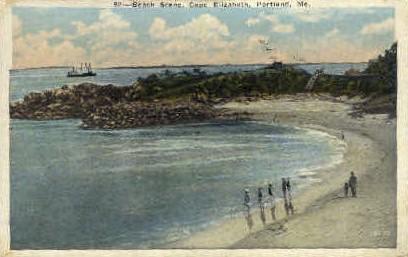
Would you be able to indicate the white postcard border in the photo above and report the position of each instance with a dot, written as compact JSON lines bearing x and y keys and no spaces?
{"x":401,"y":18}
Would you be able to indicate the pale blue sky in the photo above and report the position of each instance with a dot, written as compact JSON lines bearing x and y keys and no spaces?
{"x":111,"y":37}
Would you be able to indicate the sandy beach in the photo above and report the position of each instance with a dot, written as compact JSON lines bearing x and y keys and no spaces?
{"x":323,"y":217}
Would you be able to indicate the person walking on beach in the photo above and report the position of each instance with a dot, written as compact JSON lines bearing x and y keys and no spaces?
{"x":247,"y":200}
{"x":288,"y":187}
{"x":273,"y":207}
{"x":260,"y":200}
{"x":270,"y":189}
{"x":353,"y":184}
{"x":342,"y":135}
{"x":272,"y":201}
{"x":346,"y":189}
{"x":284,"y":188}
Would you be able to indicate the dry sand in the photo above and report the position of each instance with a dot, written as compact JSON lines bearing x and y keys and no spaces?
{"x":323,"y":218}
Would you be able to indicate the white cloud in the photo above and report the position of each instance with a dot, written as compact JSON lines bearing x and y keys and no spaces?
{"x":106,"y":35}
{"x":276,"y":25}
{"x":254,"y":39}
{"x":283,"y":28}
{"x":102,"y":38}
{"x":332,"y":46}
{"x":206,"y":29}
{"x":253,"y":52}
{"x":107,"y":21}
{"x":335,"y":45}
{"x":271,"y":18}
{"x":157,"y":28}
{"x":332,"y":33}
{"x":33,"y":50}
{"x":109,"y":30}
{"x":252,"y":21}
{"x":313,"y":16}
{"x":204,"y":39}
{"x":378,"y":27}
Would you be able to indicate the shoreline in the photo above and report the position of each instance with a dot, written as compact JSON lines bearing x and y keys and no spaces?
{"x":181,"y":66}
{"x":317,"y":201}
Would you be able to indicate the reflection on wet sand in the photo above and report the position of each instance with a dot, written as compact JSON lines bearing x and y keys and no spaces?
{"x":273,"y":212}
{"x":262,"y":215}
{"x":249,"y":220}
{"x":287,"y":206}
{"x":269,"y":201}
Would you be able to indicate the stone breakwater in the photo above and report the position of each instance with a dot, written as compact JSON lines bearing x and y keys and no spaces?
{"x":108,"y":107}
{"x":131,"y":115}
{"x":67,"y":101}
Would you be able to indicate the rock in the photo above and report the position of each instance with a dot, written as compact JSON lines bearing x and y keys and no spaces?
{"x":107,"y":107}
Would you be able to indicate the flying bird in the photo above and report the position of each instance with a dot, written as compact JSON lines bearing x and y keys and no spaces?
{"x":265,"y":45}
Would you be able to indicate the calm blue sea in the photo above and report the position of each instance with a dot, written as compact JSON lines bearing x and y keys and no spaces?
{"x":142,"y":188}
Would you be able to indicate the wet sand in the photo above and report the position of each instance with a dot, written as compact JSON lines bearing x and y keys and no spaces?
{"x":323,"y":217}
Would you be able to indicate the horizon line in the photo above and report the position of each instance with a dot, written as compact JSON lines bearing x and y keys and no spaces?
{"x":182,"y":65}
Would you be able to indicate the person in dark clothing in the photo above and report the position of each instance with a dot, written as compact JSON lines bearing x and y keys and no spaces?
{"x":288,"y":184}
{"x":346,"y":189}
{"x":272,"y":201}
{"x":260,"y":200}
{"x":247,"y":200}
{"x":273,"y":207}
{"x":353,"y":184}
{"x":270,"y":189}
{"x":288,"y":187}
{"x":284,"y":187}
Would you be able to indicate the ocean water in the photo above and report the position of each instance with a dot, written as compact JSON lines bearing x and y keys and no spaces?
{"x":333,"y":68}
{"x":144,"y":188}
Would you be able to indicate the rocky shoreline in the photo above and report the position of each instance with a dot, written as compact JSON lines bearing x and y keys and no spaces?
{"x":133,"y":115}
{"x":114,"y":107}
{"x":109,"y":107}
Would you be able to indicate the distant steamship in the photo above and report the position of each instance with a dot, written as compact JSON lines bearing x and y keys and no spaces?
{"x":84,"y":71}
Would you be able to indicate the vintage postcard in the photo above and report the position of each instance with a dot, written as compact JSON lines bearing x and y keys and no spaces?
{"x":141,"y":125}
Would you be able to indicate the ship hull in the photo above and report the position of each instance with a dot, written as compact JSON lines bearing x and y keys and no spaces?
{"x":88,"y":74}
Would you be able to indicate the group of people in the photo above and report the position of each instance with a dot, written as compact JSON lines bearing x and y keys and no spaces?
{"x":270,"y":198}
{"x":352,"y":185}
